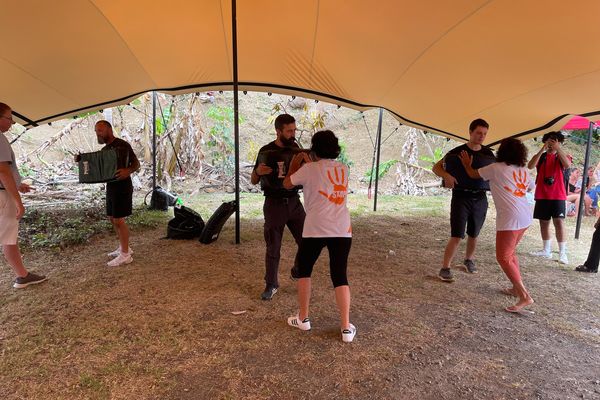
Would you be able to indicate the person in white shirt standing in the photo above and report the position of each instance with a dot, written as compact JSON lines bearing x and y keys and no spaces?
{"x":327,"y":224}
{"x":509,"y":179}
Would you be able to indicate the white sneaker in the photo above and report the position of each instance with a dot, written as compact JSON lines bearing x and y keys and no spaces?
{"x":348,"y":334}
{"x":122,"y":258}
{"x":303,"y":325}
{"x":118,"y":251}
{"x":563,"y":259}
{"x":542,"y":253}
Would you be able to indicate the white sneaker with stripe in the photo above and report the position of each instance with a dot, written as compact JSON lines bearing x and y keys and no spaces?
{"x":295,"y":321}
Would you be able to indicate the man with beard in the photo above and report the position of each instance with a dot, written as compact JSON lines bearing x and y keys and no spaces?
{"x":282,"y":206}
{"x":119,"y":193}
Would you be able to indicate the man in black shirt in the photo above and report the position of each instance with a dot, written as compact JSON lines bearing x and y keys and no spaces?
{"x":119,"y":193}
{"x":469,"y":204}
{"x":282,"y":206}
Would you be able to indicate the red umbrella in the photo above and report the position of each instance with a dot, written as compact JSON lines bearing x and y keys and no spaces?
{"x":577,"y":122}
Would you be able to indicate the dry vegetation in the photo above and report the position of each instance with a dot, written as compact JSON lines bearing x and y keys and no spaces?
{"x":163,"y":328}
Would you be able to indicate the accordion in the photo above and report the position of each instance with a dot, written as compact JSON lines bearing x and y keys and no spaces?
{"x":98,"y":166}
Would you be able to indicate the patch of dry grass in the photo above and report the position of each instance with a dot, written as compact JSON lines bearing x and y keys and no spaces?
{"x":162,"y":328}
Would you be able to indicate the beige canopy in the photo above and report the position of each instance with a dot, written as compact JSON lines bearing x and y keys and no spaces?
{"x":521,"y":65}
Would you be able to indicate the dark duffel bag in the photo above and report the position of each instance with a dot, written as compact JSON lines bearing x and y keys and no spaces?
{"x":98,"y":166}
{"x":187,"y":224}
{"x":215,"y":223}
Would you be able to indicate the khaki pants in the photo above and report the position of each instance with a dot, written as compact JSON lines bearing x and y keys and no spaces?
{"x":9,"y":224}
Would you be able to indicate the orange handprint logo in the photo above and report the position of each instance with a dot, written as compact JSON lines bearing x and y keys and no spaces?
{"x":340,"y":187}
{"x":520,"y":183}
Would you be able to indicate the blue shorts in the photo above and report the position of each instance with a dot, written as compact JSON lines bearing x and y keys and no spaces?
{"x":593,"y":193}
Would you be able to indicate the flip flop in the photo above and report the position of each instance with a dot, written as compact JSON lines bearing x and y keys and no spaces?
{"x":521,"y":311}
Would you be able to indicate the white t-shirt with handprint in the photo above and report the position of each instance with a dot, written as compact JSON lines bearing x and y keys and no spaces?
{"x":508,"y":184}
{"x":325,"y":186}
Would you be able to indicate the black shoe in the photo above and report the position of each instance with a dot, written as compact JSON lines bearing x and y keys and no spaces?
{"x":268,"y":293}
{"x":294,"y":274}
{"x":446,"y":275}
{"x":470,"y":266}
{"x":30,"y":279}
{"x":584,"y":268}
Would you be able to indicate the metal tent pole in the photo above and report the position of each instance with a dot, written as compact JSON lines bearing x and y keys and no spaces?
{"x":378,"y":141}
{"x":153,"y":141}
{"x":584,"y":179}
{"x":235,"y":120}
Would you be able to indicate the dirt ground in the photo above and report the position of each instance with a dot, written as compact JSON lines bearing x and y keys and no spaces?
{"x":162,"y":327}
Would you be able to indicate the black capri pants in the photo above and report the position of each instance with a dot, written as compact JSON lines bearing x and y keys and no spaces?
{"x":338,"y":248}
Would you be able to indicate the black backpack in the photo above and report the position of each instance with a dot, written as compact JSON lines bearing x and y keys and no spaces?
{"x":187,"y":224}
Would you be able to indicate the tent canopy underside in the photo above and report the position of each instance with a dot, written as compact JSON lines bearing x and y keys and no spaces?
{"x":525,"y":67}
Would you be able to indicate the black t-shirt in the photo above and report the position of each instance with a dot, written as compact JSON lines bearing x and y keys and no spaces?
{"x":454,"y":167}
{"x":278,"y":158}
{"x":125,"y":158}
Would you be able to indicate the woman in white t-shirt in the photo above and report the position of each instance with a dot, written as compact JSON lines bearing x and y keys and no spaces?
{"x":509,"y":179}
{"x":327,"y":224}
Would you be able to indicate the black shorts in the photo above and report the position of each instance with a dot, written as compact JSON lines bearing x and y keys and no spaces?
{"x":546,"y":209}
{"x":467,"y":212}
{"x":338,"y":247}
{"x":119,"y":199}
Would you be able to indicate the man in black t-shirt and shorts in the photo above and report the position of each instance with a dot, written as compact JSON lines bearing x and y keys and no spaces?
{"x":119,"y":193}
{"x":282,"y":206}
{"x":469,"y":203}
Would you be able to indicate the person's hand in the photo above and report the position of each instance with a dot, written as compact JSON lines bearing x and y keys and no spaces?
{"x":20,"y":210}
{"x":263,"y":169}
{"x":552,"y":144}
{"x":450,"y":181}
{"x":465,"y":159}
{"x":122,"y":173}
{"x":24,"y":188}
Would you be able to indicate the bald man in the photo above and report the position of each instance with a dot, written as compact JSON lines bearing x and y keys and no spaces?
{"x":119,"y":193}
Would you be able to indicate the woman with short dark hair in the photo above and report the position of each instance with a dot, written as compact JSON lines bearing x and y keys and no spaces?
{"x":327,"y":224}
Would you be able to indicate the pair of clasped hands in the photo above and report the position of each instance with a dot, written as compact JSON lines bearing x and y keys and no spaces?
{"x":301,"y":158}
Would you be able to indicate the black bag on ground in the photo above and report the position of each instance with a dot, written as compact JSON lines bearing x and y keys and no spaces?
{"x":187,"y":224}
{"x":98,"y":166}
{"x":162,"y":199}
{"x":215,"y":223}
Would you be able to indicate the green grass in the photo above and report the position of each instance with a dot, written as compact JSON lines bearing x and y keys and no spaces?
{"x":57,"y":228}
{"x":358,"y":204}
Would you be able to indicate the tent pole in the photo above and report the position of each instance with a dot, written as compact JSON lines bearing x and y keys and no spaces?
{"x":236,"y":120}
{"x":153,"y":141}
{"x":378,"y":141}
{"x":584,"y":179}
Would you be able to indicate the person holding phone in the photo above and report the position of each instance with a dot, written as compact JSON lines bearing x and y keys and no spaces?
{"x":551,"y":161}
